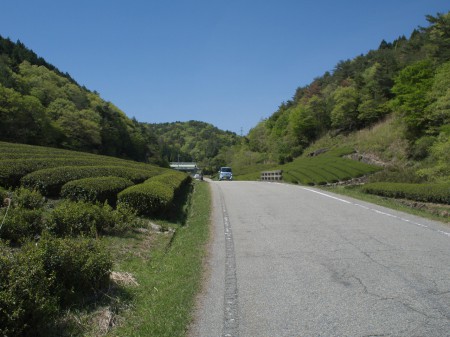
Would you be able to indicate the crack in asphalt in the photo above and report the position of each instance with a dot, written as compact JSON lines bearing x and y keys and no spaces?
{"x":231,"y":308}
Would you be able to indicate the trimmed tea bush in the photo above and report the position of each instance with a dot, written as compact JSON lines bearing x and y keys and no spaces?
{"x":437,"y":193}
{"x":99,"y":189}
{"x":174,"y":179}
{"x":149,"y":198}
{"x":155,"y":195}
{"x":50,"y":181}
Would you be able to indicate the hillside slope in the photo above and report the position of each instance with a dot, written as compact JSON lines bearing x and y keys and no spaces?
{"x":406,"y":82}
{"x":41,"y":105}
{"x":193,"y":141}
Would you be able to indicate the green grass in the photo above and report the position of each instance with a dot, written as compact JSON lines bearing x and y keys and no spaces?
{"x":430,"y":211}
{"x":168,"y":270}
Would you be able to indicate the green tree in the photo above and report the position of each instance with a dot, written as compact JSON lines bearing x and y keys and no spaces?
{"x":258,"y":137}
{"x":411,"y":89}
{"x":40,"y":82}
{"x":438,"y":112}
{"x":439,"y":36}
{"x":372,"y":98}
{"x":344,"y":114}
{"x":22,"y":118}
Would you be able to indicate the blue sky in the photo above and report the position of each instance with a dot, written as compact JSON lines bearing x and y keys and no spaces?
{"x":229,"y":63}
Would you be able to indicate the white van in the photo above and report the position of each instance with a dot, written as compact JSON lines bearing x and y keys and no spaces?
{"x":225,"y":173}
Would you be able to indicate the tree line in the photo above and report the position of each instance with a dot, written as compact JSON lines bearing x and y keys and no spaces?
{"x":408,"y":78}
{"x":40,"y":105}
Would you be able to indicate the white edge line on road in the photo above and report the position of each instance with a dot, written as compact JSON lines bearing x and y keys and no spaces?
{"x":378,"y":211}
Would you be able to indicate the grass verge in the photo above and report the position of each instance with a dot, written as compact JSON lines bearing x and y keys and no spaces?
{"x":430,"y":211}
{"x":167,"y":268}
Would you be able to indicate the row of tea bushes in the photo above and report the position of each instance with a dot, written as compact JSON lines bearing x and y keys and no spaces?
{"x":50,"y":181}
{"x":155,"y":195}
{"x":18,"y":160}
{"x":326,"y":167}
{"x":12,"y":170}
{"x":96,"y":189}
{"x":435,"y":193}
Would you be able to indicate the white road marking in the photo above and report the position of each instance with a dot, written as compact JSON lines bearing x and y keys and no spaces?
{"x":378,"y":211}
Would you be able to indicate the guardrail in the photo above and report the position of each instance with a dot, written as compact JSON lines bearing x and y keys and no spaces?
{"x":276,"y":175}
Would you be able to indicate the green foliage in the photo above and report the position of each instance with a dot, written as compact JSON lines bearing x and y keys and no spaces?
{"x":3,"y":193}
{"x":27,"y":302}
{"x":147,"y":199}
{"x":173,"y":179}
{"x":192,"y":141}
{"x":41,"y":105}
{"x":80,"y":267}
{"x":436,"y":193}
{"x":28,"y":199}
{"x":155,"y":195}
{"x":86,"y":219}
{"x":23,"y":118}
{"x":439,"y":158}
{"x":50,"y":181}
{"x":23,"y":218}
{"x":21,"y":224}
{"x":98,"y":189}
{"x":345,"y":111}
{"x":439,"y":35}
{"x":438,"y":112}
{"x":411,"y":89}
{"x":40,"y":278}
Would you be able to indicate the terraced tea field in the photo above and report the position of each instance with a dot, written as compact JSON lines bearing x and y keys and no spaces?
{"x":49,"y":170}
{"x":329,"y":167}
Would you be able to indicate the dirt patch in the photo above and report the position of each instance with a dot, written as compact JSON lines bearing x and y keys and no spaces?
{"x":368,"y":158}
{"x":441,"y":210}
{"x":123,"y":278}
{"x":105,"y":321}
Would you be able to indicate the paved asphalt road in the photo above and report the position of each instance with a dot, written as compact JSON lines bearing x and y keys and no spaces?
{"x":288,"y":260}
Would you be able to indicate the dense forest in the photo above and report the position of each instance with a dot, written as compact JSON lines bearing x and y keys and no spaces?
{"x":408,"y":78}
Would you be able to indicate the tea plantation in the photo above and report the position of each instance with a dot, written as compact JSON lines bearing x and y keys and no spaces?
{"x":329,"y":167}
{"x":55,"y":204}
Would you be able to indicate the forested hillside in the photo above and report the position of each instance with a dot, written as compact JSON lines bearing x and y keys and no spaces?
{"x":194,"y":141}
{"x":40,"y":105}
{"x":408,"y":79}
